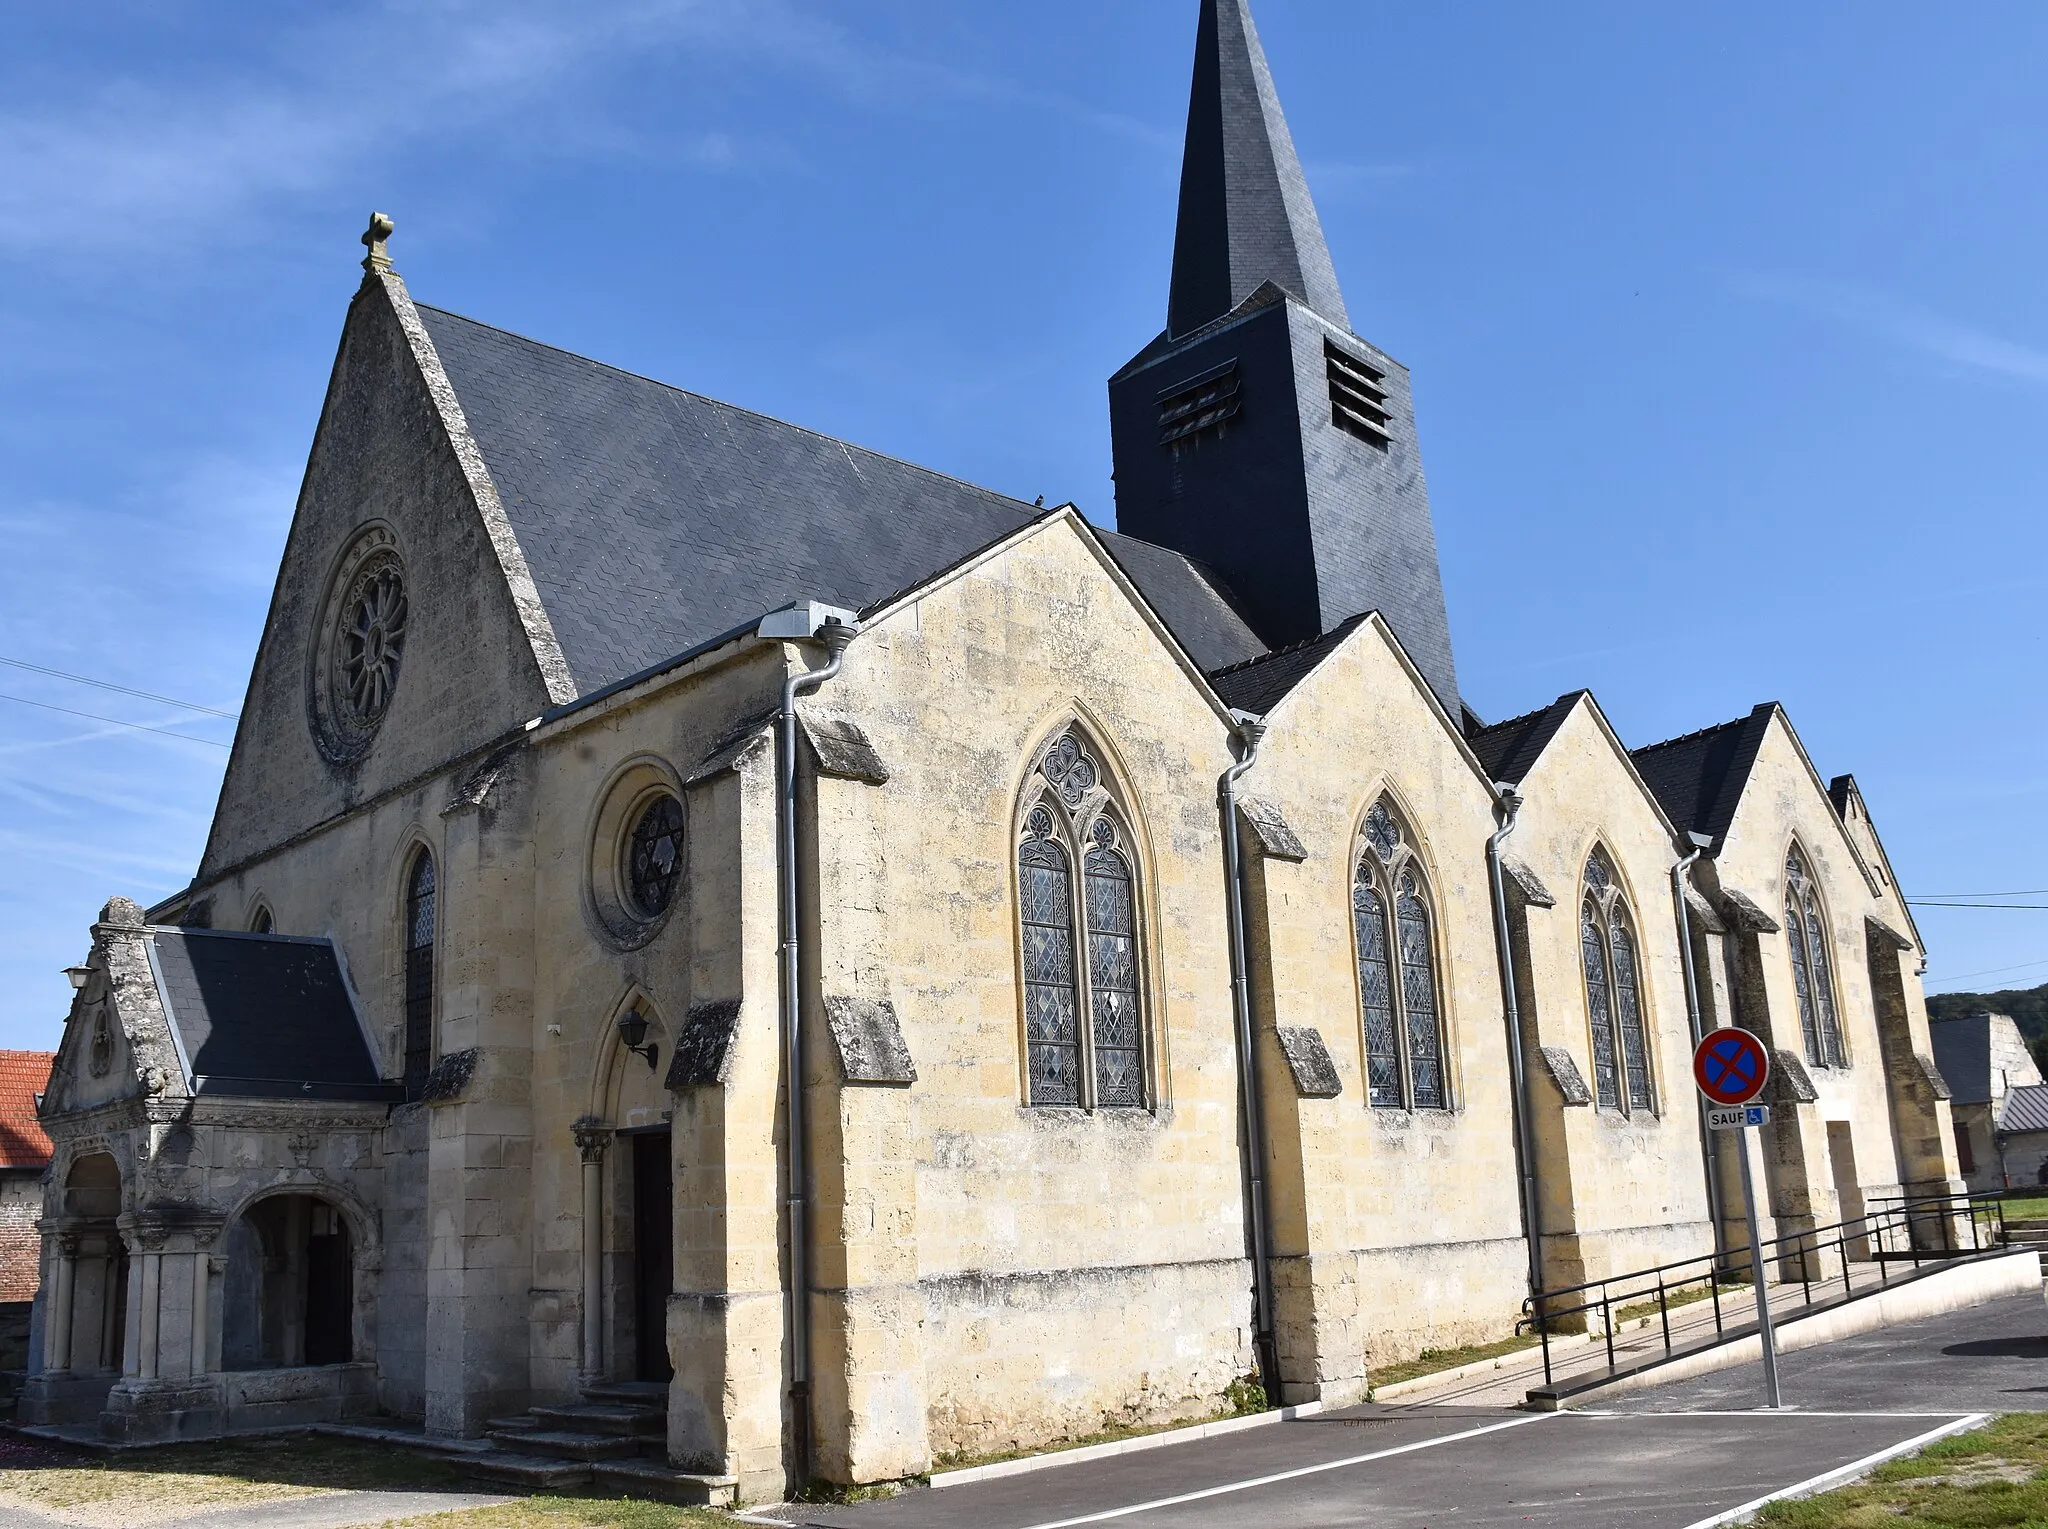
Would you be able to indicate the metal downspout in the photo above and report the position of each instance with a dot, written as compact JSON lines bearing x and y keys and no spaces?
{"x":1525,"y":1142}
{"x":1681,"y":883}
{"x":1250,"y":730}
{"x":835,"y":637}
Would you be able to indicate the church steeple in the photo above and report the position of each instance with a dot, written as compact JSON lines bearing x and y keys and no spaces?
{"x":1258,"y":435}
{"x":1246,"y":216}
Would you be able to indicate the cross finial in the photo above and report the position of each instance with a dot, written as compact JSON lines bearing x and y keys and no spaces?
{"x":374,"y":236}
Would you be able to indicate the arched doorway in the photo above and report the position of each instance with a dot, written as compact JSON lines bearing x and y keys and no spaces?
{"x":628,"y":1200}
{"x":290,"y":1296}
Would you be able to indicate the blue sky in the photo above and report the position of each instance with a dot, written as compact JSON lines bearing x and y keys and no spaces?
{"x":1728,"y":328}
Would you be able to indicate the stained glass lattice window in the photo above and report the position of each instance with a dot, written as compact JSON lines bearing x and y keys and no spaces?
{"x":1614,"y":1002}
{"x":1813,"y":979}
{"x":420,"y":896}
{"x":1079,"y":910}
{"x":1397,"y":980}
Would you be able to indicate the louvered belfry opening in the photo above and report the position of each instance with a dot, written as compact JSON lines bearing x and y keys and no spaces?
{"x":1207,"y":402}
{"x":1358,"y":402}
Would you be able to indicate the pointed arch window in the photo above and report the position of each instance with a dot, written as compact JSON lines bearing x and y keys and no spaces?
{"x":420,"y":896}
{"x":1614,"y":1002}
{"x":1078,"y":906}
{"x":1397,"y":981}
{"x":1813,"y":977}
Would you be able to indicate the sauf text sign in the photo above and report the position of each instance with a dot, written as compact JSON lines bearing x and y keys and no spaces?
{"x":1735,"y":1117}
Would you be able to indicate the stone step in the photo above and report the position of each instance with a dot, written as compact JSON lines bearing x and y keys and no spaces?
{"x":534,"y":1472}
{"x":629,"y":1393}
{"x":601,"y":1417}
{"x":570,"y":1446}
{"x":526,"y":1422}
{"x":664,"y":1484}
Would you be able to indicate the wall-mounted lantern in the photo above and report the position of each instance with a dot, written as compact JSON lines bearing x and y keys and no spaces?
{"x":633,"y":1031}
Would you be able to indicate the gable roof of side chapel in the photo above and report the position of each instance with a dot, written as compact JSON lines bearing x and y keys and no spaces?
{"x":656,"y":520}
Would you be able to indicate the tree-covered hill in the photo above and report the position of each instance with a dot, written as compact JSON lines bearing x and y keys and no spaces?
{"x":2027,"y":1006}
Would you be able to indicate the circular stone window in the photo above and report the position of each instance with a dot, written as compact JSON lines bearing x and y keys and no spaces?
{"x":654,"y":856}
{"x":362,"y":642}
{"x":638,"y":852}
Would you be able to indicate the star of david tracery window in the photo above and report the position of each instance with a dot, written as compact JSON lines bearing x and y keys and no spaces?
{"x":1391,"y":923}
{"x":1614,"y":1007}
{"x":1078,"y":911}
{"x":655,"y":856}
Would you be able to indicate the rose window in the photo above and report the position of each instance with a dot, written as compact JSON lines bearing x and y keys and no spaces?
{"x":371,"y":640}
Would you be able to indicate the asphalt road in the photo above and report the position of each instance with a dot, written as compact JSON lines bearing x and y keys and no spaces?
{"x":1671,"y":1458}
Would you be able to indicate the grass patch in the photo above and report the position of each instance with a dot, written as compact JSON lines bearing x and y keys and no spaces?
{"x":571,"y":1512}
{"x":149,"y":1486}
{"x":1992,"y":1478}
{"x":1431,"y":1360}
{"x":1242,"y":1398}
{"x":1673,"y":1299}
{"x":2032,"y":1208}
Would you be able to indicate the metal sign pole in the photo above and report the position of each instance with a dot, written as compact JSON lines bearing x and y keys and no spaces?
{"x":1756,"y":1276}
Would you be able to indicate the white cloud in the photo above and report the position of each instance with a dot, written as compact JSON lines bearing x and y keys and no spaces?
{"x":1905,"y":323}
{"x":139,"y":163}
{"x":139,"y":166}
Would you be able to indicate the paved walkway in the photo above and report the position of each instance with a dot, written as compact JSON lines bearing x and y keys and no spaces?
{"x":1674,"y":1458}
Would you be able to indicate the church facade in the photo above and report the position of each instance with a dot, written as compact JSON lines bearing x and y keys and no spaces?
{"x":910,"y":973}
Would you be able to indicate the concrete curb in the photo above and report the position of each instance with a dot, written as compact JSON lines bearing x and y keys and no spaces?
{"x":1945,"y":1290}
{"x":1813,"y":1486}
{"x":1186,"y":1435}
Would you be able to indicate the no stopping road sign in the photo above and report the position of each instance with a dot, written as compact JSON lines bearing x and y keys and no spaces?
{"x":1731,"y":1067}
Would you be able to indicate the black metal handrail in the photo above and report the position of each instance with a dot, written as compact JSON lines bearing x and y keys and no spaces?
{"x":1893,"y":1229}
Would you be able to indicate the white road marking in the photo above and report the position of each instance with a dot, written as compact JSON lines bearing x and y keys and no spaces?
{"x":1293,"y":1475}
{"x":1846,"y":1473}
{"x":1761,"y":1412}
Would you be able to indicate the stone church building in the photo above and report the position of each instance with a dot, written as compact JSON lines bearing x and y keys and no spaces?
{"x":910,"y":972}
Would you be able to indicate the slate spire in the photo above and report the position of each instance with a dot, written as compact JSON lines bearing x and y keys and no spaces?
{"x":1246,"y":216}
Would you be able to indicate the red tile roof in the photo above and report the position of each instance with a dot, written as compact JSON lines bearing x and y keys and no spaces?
{"x":23,"y":1075}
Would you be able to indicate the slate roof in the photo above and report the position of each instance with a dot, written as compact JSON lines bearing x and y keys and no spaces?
{"x":265,"y":1016}
{"x":1699,"y":777}
{"x":1189,"y":599}
{"x":1246,"y":215}
{"x":1509,"y":750}
{"x":1962,"y":1055}
{"x":23,"y":1075}
{"x":2026,"y":1109}
{"x":1257,"y":686}
{"x":654,"y":520}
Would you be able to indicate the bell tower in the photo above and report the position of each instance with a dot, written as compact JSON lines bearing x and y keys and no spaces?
{"x":1257,"y":433}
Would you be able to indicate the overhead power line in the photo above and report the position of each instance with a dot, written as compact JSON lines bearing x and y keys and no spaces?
{"x":1921,"y":902}
{"x":114,"y":721}
{"x":2026,"y":891}
{"x":1992,"y":971}
{"x":146,"y":695}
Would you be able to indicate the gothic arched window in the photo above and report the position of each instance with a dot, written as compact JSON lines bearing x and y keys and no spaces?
{"x":1614,"y":1002}
{"x":1813,"y":977}
{"x":419,"y":972}
{"x":1073,"y":857}
{"x":1391,"y":922}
